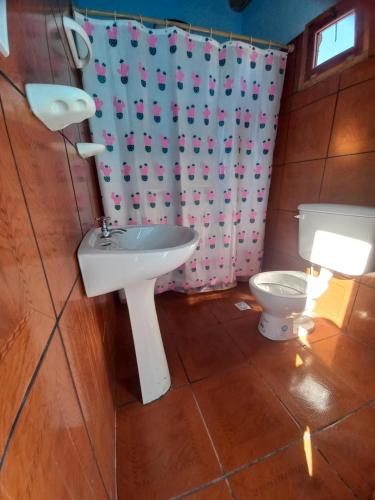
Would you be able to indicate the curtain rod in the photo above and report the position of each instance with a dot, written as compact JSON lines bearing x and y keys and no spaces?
{"x":191,"y":27}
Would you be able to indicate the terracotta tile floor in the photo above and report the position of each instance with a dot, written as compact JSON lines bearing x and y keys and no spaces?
{"x":246,"y":418}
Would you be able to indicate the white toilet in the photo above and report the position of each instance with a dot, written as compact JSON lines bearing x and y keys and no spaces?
{"x":338,"y":237}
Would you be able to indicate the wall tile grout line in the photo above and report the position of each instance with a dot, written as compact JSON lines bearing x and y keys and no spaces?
{"x":28,"y":208}
{"x":37,"y":368}
{"x":338,"y":90}
{"x":325,"y":157}
{"x":49,"y":57}
{"x":74,"y":189}
{"x":329,"y":142}
{"x":26,"y":396}
{"x":81,"y":411}
{"x":6,"y":77}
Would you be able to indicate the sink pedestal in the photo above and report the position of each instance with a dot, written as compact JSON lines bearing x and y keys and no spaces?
{"x":151,"y":360}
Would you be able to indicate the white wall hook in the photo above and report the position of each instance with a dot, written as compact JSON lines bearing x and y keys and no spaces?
{"x":4,"y":42}
{"x":87,"y":149}
{"x":71,"y":26}
{"x":58,"y":106}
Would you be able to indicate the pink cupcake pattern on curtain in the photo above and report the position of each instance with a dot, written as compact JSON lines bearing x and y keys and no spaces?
{"x":189,"y":127}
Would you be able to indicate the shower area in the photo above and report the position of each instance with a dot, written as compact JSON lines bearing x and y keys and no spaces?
{"x":189,"y":126}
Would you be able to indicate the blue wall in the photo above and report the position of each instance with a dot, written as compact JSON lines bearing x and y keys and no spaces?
{"x":279,"y":20}
{"x":215,"y":13}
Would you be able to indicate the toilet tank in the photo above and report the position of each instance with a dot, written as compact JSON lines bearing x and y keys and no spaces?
{"x":338,"y":237}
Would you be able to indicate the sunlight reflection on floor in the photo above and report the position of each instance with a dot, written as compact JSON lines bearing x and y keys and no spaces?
{"x":308,"y":450}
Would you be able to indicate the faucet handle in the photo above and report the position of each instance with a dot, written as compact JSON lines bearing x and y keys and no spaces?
{"x":103,"y":224}
{"x":102,"y":220}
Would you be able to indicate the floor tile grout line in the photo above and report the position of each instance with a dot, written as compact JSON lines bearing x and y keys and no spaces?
{"x":359,"y":340}
{"x":189,"y":383}
{"x":333,"y":469}
{"x":229,"y":486}
{"x":220,"y":373}
{"x":208,"y":431}
{"x":273,"y":391}
{"x":226,"y":475}
{"x":199,"y":488}
{"x":318,"y":429}
{"x":338,"y":421}
{"x":241,"y":468}
{"x":81,"y":410}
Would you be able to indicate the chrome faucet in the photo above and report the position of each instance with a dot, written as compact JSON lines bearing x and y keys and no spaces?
{"x":106,"y":231}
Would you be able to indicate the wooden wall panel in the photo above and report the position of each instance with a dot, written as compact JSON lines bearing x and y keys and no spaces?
{"x":57,"y":424}
{"x":330,"y":123}
{"x":28,"y":61}
{"x":44,"y":168}
{"x":26,"y":312}
{"x":50,"y":454}
{"x":82,"y":330}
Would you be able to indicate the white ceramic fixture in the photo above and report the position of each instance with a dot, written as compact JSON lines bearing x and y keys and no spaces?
{"x":87,"y":149}
{"x":338,"y":237}
{"x":132,"y":260}
{"x":70,"y":27}
{"x":58,"y":106}
{"x":4,"y":42}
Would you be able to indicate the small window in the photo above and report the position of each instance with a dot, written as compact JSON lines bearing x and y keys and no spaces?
{"x":335,"y":38}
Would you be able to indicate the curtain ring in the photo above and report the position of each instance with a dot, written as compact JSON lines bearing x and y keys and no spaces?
{"x":189,"y":28}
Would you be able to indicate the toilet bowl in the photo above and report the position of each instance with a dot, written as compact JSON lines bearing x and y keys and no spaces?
{"x":283,"y":296}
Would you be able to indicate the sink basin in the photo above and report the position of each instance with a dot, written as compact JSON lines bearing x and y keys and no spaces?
{"x":133,"y":260}
{"x":141,"y":253}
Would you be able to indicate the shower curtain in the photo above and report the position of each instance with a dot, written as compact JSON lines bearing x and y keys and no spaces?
{"x":189,"y":127}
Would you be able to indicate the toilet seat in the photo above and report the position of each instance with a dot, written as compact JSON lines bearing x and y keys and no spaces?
{"x":283,"y":296}
{"x":282,"y":283}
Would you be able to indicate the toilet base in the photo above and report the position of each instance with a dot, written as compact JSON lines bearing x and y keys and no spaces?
{"x":275,"y":328}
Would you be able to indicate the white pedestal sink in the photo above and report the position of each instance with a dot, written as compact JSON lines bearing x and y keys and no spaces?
{"x":132,"y":261}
